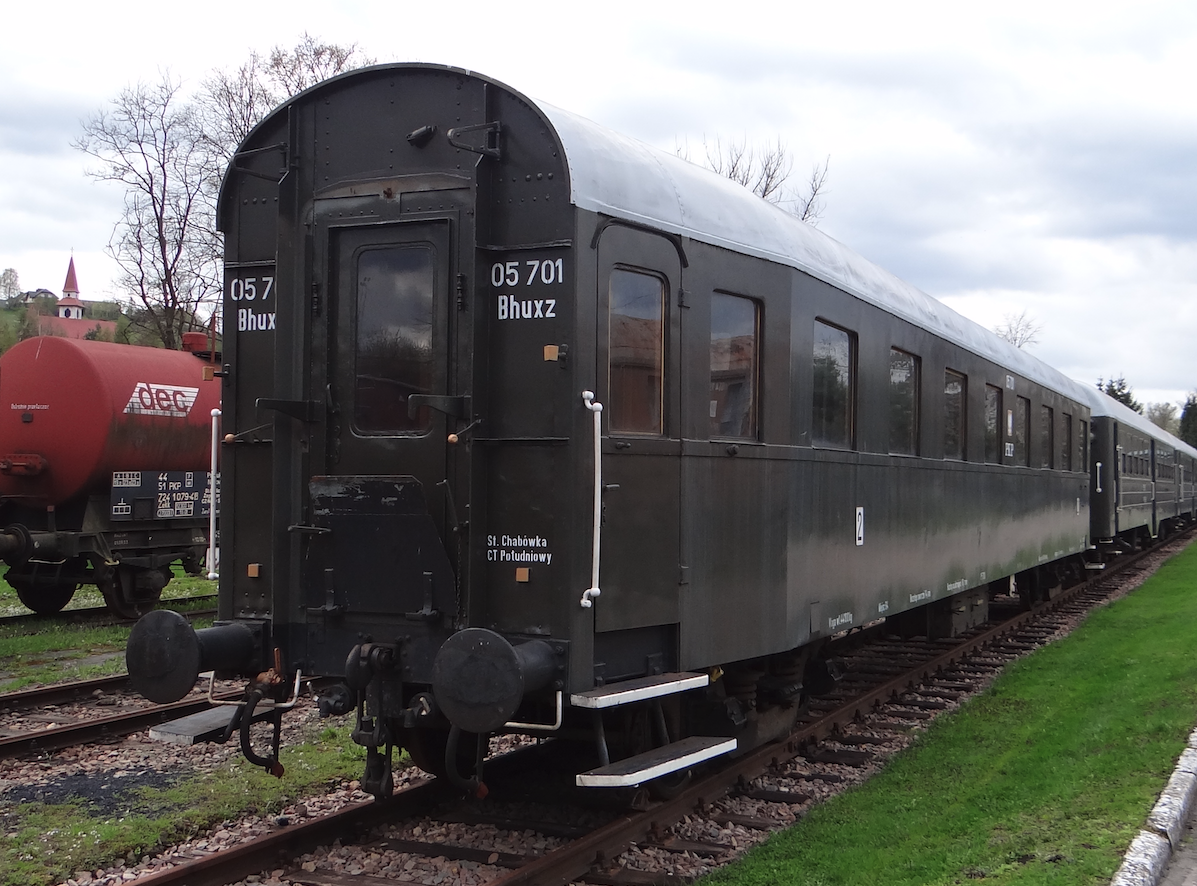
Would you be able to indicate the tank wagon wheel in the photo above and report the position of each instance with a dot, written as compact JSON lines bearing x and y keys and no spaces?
{"x":132,"y":591}
{"x":427,"y":747}
{"x":45,"y":600}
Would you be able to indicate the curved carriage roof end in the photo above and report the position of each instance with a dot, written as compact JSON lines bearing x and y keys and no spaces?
{"x":627,"y":179}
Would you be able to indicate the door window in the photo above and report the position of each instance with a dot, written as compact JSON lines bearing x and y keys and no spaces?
{"x":637,"y":352}
{"x":395,"y":288}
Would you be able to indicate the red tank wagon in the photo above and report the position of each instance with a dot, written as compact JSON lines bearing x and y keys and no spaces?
{"x":104,"y":457}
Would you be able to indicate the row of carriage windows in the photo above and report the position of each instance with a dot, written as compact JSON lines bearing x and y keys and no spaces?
{"x":394,"y":350}
{"x":637,"y":361}
{"x":637,"y":358}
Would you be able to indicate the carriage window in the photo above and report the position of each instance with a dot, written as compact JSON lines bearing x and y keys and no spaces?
{"x":993,"y":424}
{"x":955,"y":396}
{"x":1022,"y":431}
{"x":395,"y":311}
{"x":1046,"y":437}
{"x":637,"y":352}
{"x":734,"y":356}
{"x":834,"y":359}
{"x":1066,"y":442}
{"x":903,"y":402}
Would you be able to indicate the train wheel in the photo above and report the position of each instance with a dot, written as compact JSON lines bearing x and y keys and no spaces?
{"x":426,"y":747}
{"x":45,"y":600}
{"x":131,"y":591}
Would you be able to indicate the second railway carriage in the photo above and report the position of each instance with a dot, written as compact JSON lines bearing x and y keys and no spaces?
{"x":531,"y":427}
{"x":1142,"y":477}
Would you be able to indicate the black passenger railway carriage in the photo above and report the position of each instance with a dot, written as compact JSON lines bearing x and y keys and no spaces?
{"x":433,"y":282}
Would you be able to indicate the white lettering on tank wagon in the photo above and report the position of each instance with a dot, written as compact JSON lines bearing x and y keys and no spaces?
{"x":170,"y":400}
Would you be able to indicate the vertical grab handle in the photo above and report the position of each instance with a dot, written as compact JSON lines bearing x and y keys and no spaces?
{"x":1098,"y":465}
{"x":212,"y":573}
{"x":596,"y":409}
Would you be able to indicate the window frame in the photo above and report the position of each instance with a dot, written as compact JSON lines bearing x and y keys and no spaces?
{"x":961,"y":426}
{"x":753,"y":413}
{"x":617,"y":406}
{"x":914,"y":397}
{"x":848,"y":423}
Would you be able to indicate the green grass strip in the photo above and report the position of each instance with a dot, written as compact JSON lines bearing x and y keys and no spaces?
{"x":45,"y":843}
{"x":1044,"y":778}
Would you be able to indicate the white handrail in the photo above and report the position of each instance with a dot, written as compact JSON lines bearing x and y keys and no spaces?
{"x":597,"y":409}
{"x":212,"y":573}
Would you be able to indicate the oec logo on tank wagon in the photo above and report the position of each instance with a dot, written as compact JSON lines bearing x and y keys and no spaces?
{"x":169,"y":400}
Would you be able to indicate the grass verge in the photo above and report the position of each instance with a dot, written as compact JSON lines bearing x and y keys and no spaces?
{"x":1044,"y":778}
{"x":53,"y":649}
{"x":44,"y":842}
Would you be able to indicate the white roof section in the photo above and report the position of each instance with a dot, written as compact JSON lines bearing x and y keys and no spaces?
{"x":627,"y":179}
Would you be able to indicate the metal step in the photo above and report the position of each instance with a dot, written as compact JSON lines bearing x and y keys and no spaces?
{"x":657,"y":762}
{"x":629,"y":691}
{"x":205,"y":726}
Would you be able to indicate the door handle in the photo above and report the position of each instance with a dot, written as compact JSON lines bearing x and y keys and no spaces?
{"x":454,"y":407}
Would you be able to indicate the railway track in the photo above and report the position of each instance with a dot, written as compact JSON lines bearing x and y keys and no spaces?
{"x":890,"y":684}
{"x":68,"y":714}
{"x":96,"y":616}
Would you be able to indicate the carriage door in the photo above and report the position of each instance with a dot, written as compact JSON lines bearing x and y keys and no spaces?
{"x":638,"y":326}
{"x":382,"y":491}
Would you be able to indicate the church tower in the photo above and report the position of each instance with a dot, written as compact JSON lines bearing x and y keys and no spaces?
{"x":69,"y":306}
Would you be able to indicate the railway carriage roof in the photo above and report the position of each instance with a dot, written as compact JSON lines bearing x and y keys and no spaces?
{"x":624,"y":178}
{"x":627,"y":179}
{"x":1103,"y":405}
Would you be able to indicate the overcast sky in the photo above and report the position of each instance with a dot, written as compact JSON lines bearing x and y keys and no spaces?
{"x":1033,"y":156}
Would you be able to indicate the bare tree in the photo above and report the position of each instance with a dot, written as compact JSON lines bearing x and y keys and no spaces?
{"x":765,"y":171}
{"x":1019,"y":329}
{"x":1164,"y":415}
{"x":151,"y":141}
{"x":10,"y":284}
{"x":294,"y":70}
{"x":233,"y":102}
{"x":809,"y":205}
{"x":170,"y":154}
{"x":762,"y":170}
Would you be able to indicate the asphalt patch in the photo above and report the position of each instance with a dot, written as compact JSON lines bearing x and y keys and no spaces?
{"x":103,"y":793}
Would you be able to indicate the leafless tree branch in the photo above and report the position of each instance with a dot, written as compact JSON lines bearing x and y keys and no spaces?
{"x":1019,"y":329}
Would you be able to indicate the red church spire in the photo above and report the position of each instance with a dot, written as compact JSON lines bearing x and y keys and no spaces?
{"x":71,"y":286}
